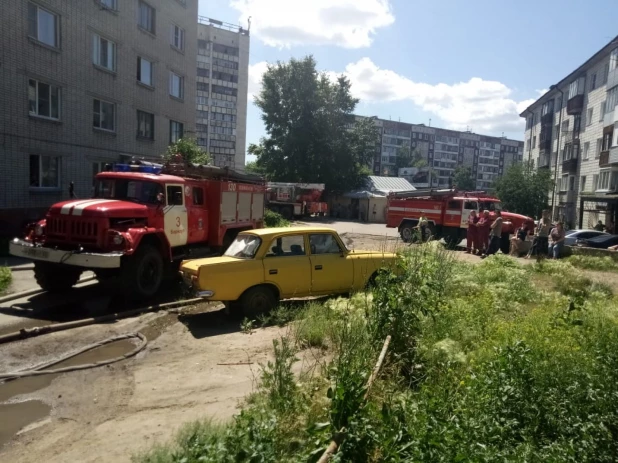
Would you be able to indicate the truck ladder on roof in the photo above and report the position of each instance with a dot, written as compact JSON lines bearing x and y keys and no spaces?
{"x":434,"y":193}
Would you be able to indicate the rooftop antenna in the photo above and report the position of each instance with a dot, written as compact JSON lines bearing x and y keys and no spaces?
{"x":430,"y":122}
{"x":249,"y":21}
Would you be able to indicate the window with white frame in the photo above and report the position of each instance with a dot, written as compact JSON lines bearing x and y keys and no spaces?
{"x":146,"y":18}
{"x":176,"y":131}
{"x":144,"y":71}
{"x":613,"y":59}
{"x":602,"y":112}
{"x":589,"y":115}
{"x":43,"y":25}
{"x":582,"y":183}
{"x":145,"y":125}
{"x":564,"y":182}
{"x":603,"y":183}
{"x":595,"y":182}
{"x":576,"y":87}
{"x":43,"y":99}
{"x":44,"y":171}
{"x":103,"y":115}
{"x":103,"y":52}
{"x":176,"y":85}
{"x":586,"y":150}
{"x":177,"y":37}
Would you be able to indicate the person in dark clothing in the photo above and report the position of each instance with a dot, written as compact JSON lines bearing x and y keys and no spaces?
{"x":495,"y":235}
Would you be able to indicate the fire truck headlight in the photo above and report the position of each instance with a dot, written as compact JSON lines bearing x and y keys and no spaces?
{"x":38,"y":230}
{"x":118,"y":239}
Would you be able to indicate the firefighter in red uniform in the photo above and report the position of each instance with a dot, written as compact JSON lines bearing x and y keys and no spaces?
{"x":483,"y":232}
{"x":471,"y":236}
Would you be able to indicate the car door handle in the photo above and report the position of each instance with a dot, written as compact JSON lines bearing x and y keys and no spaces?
{"x":273,"y":271}
{"x":318,"y":267}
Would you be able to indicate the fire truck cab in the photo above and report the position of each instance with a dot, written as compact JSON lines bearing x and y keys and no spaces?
{"x":447,"y":213}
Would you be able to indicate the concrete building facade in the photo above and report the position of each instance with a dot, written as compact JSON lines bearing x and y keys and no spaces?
{"x":570,"y":131}
{"x":222,"y":85}
{"x":488,"y":157}
{"x":84,"y":83}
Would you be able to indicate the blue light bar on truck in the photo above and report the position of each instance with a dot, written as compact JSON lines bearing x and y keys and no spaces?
{"x":135,"y":168}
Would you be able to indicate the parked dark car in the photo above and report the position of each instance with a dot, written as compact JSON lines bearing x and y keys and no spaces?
{"x":574,"y":236}
{"x":600,"y":242}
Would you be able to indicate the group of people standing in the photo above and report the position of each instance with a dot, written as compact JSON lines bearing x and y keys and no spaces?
{"x":484,"y":235}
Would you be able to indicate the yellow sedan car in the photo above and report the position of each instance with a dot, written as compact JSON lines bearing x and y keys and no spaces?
{"x":264,"y":266}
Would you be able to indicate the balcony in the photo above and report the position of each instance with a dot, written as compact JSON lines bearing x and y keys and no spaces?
{"x":575,"y":105}
{"x":544,"y":161}
{"x":567,"y":197}
{"x":604,"y":159}
{"x":613,"y":156}
{"x":570,"y":165}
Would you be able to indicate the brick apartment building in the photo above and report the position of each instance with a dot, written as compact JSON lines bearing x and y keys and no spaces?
{"x":222,"y":84}
{"x":570,"y":130}
{"x":444,"y":150}
{"x":84,"y":83}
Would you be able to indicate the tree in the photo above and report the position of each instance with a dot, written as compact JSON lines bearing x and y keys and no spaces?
{"x":407,"y":157}
{"x":252,"y":168}
{"x":190,"y":151}
{"x":523,"y":189}
{"x":311,"y":132}
{"x":463,"y":178}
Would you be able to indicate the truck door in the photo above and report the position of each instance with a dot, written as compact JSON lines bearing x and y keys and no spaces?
{"x":175,"y":215}
{"x":469,"y":206}
{"x":453,"y":214}
{"x":198,"y":215}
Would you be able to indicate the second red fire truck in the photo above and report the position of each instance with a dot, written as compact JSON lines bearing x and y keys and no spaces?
{"x":447,"y":214}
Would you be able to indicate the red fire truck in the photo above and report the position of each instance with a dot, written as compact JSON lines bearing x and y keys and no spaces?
{"x":295,"y":199}
{"x":143,"y":218}
{"x":447,"y":214}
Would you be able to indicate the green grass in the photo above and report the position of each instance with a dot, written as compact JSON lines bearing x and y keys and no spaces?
{"x":485,"y":364}
{"x":602,"y":264}
{"x":5,"y":279}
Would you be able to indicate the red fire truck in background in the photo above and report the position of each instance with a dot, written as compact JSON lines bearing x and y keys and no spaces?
{"x":295,"y":199}
{"x":143,"y":218}
{"x":447,"y":214}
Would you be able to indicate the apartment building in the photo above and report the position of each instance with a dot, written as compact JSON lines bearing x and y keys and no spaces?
{"x":570,"y":132}
{"x":222,"y":84}
{"x":84,"y":83}
{"x":444,"y":150}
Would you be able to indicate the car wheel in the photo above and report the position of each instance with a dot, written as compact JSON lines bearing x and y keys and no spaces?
{"x":257,"y":300}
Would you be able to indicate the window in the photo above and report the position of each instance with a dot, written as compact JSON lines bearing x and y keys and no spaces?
{"x":603,"y":183}
{"x":201,"y":72}
{"x":198,"y":196}
{"x":595,"y":182}
{"x":602,"y":112}
{"x":586,"y":150}
{"x":43,"y":99}
{"x":571,"y":183}
{"x":286,"y":246}
{"x":324,"y":243}
{"x":43,"y":25}
{"x":593,"y":81}
{"x":104,"y":115}
{"x":144,"y":71}
{"x":176,"y":131}
{"x":605,"y":73}
{"x":145,"y":125}
{"x":174,"y":195}
{"x":613,"y":59}
{"x":599,"y":147}
{"x":564,"y":182}
{"x":146,"y":18}
{"x":110,"y":4}
{"x":565,"y":126}
{"x":577,"y":122}
{"x":582,"y":183}
{"x":576,"y":88}
{"x":44,"y":171}
{"x":528,"y":144}
{"x":176,"y":85}
{"x":177,"y":37}
{"x":534,"y":142}
{"x":103,"y":52}
{"x":589,"y":115}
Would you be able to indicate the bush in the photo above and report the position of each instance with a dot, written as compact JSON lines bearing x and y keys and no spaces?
{"x":602,"y":264}
{"x":274,"y":219}
{"x":5,"y":279}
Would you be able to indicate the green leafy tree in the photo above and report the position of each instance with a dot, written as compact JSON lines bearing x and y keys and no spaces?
{"x":407,"y":157}
{"x":524,"y":189}
{"x":252,"y":168}
{"x":463,"y":178}
{"x":190,"y":151}
{"x":311,"y":133}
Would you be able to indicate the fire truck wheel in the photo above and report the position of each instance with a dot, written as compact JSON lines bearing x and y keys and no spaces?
{"x":407,"y":233}
{"x":55,"y":278}
{"x":257,"y":300}
{"x":144,"y":272}
{"x":287,"y":212}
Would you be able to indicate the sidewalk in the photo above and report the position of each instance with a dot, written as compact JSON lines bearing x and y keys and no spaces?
{"x":16,"y":263}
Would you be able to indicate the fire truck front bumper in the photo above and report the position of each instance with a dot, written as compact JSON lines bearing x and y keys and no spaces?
{"x":21,"y":248}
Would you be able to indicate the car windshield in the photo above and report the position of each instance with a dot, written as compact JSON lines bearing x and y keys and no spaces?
{"x":244,"y":247}
{"x":490,"y":206}
{"x":128,"y":190}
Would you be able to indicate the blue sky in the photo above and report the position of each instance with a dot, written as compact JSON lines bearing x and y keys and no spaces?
{"x":462,"y":64}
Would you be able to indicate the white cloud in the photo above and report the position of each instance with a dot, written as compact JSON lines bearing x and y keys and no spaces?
{"x":286,"y":23}
{"x":484,"y":106}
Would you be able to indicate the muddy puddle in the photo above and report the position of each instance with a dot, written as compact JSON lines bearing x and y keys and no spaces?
{"x":14,"y":417}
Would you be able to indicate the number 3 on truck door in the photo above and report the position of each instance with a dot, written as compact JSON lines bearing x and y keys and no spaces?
{"x":176,"y":220}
